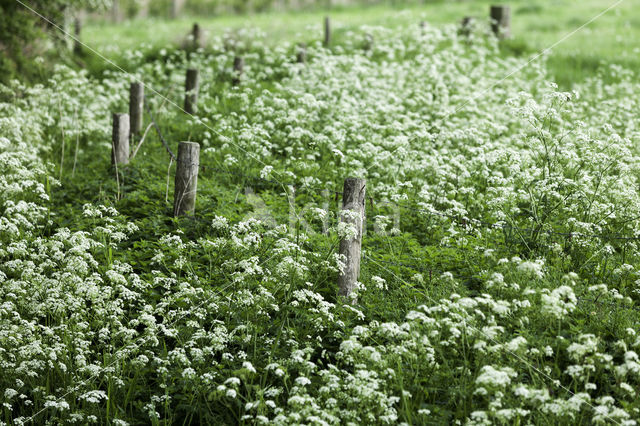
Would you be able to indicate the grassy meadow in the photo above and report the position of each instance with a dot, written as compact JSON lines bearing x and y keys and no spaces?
{"x":500,"y":269}
{"x":536,"y":25}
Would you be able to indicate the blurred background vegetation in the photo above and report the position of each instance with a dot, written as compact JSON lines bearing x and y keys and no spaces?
{"x":113,"y":28}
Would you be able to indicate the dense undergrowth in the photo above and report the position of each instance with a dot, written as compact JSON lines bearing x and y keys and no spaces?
{"x":499,"y":280}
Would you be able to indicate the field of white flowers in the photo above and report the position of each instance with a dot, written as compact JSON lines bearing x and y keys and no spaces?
{"x":499,"y":282}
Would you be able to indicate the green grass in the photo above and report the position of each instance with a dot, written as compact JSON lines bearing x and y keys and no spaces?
{"x":610,"y":39}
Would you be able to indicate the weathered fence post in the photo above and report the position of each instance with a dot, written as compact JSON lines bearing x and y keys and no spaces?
{"x":353,"y":204}
{"x":327,"y":31}
{"x":196,"y":34}
{"x":368,"y":41}
{"x":77,"y":29}
{"x":184,"y":201}
{"x":238,"y":69}
{"x":120,"y":139}
{"x":192,"y":86}
{"x":501,"y":21}
{"x":301,"y":56}
{"x":136,"y":104}
{"x":466,"y":26}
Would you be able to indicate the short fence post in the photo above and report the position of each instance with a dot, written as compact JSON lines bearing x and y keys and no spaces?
{"x":327,"y":31}
{"x":301,"y":56}
{"x":196,"y":34}
{"x":501,"y":21}
{"x":120,"y":139}
{"x":353,"y":213}
{"x":136,"y":104}
{"x":466,"y":26}
{"x":368,"y":41}
{"x":192,"y":86}
{"x":186,"y":184}
{"x":77,"y":27}
{"x":238,"y":69}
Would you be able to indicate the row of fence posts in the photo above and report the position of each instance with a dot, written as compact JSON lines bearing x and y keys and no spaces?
{"x":117,"y":12}
{"x":188,"y":160}
{"x":186,"y":182}
{"x":500,"y":25}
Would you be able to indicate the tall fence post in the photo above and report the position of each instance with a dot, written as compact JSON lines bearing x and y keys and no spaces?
{"x":77,"y":29}
{"x":301,"y":56}
{"x":136,"y":104}
{"x":501,"y":21}
{"x":238,"y":69}
{"x":327,"y":31}
{"x":184,"y":201}
{"x":192,"y":86}
{"x":353,"y":213}
{"x":120,"y":139}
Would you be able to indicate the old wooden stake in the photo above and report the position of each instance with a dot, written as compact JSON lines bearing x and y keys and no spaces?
{"x":238,"y":69}
{"x":184,"y":201}
{"x":136,"y":104}
{"x":301,"y":56}
{"x":353,"y":204}
{"x":192,"y":86}
{"x":196,"y":34}
{"x":120,"y":139}
{"x":115,"y":11}
{"x":327,"y":31}
{"x":501,"y":21}
{"x":77,"y":46}
{"x":176,"y":5}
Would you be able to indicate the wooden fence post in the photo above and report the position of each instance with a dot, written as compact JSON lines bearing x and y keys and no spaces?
{"x":192,"y":86}
{"x":238,"y":69}
{"x":327,"y":31}
{"x":136,"y":104}
{"x":501,"y":21}
{"x":368,"y":41}
{"x":184,"y":201}
{"x":196,"y":34}
{"x":301,"y":56}
{"x":120,"y":139}
{"x":77,"y":29}
{"x":353,"y":213}
{"x":466,"y":26}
